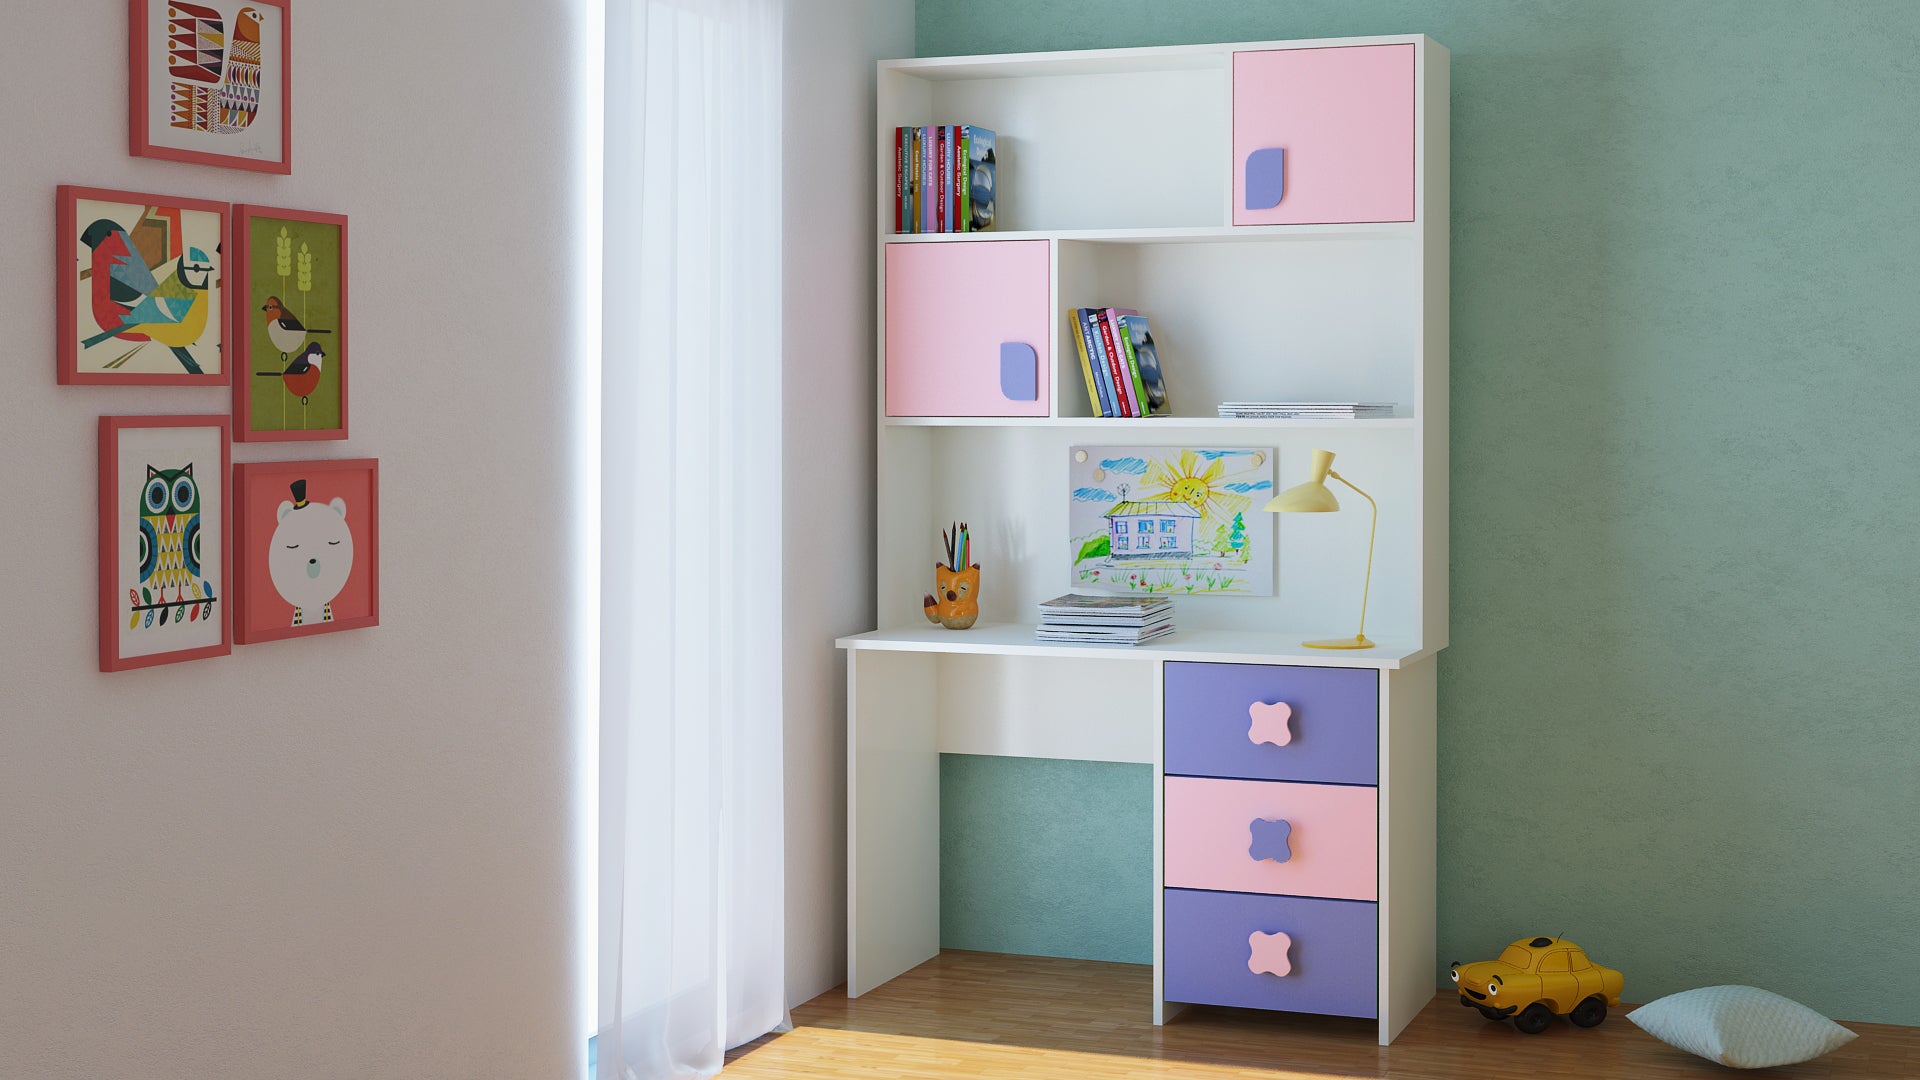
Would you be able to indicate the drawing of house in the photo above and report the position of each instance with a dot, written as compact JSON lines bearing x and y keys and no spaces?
{"x":1151,"y":530}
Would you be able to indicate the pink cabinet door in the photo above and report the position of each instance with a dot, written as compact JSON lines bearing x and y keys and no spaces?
{"x":967,"y":329}
{"x":1323,"y":136}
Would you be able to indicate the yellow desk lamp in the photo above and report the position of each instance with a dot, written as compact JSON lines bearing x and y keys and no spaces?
{"x":1313,"y":497}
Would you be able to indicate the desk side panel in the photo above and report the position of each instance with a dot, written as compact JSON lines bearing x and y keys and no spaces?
{"x":1407,"y":852}
{"x":893,"y":816}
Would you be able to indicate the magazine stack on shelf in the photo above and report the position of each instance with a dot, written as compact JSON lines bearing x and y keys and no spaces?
{"x":1105,"y":620}
{"x":1307,"y":410}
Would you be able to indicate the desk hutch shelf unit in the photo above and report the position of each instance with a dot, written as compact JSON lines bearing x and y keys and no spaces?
{"x":1123,"y":180}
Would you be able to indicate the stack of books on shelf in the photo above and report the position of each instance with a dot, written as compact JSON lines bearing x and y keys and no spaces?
{"x":1120,"y":362}
{"x":943,"y":179}
{"x":1307,"y":410}
{"x":1105,"y":620}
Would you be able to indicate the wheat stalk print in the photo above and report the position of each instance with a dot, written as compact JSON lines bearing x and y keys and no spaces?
{"x":303,"y":282}
{"x":283,"y":257}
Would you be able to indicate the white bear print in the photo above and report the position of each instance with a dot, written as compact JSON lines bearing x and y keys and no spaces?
{"x":312,"y":554}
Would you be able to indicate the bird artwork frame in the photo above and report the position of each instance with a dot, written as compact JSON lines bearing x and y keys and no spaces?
{"x":290,"y":342}
{"x":211,"y":82}
{"x":140,"y":289}
{"x":165,"y":555}
{"x":306,"y":548}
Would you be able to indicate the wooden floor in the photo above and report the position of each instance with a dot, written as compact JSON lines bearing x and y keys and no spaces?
{"x":987,"y":1015}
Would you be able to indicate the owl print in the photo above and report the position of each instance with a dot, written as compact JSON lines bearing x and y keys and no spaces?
{"x":168,"y":550}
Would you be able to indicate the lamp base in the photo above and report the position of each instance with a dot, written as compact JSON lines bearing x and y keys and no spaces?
{"x":1357,"y":641}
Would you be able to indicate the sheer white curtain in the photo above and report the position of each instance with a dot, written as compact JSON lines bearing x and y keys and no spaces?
{"x":691,"y":852}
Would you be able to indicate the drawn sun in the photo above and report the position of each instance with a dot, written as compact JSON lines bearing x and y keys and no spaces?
{"x":1202,"y":489}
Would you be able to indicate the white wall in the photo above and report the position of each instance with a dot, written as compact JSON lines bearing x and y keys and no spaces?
{"x":347,"y":855}
{"x":829,"y":238}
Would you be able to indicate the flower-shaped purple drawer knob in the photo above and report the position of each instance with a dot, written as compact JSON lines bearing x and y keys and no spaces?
{"x":1271,"y":839}
{"x":1267,"y":954}
{"x":1270,"y":723}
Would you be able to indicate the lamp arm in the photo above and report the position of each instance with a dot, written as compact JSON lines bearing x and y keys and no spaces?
{"x":1368,"y":586}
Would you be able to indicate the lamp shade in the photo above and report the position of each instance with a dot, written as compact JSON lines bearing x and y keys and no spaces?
{"x":1312,"y":497}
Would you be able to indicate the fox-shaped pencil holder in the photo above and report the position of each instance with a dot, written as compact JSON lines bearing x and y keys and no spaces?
{"x":956,"y":605}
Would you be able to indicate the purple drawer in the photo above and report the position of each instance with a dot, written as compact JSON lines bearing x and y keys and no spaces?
{"x":1218,"y":715}
{"x":1329,"y":956}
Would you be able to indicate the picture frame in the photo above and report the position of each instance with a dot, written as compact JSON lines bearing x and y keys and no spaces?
{"x":1181,"y":520}
{"x":210,"y":82}
{"x":306,"y":548}
{"x":139,"y":298}
{"x":290,"y":353}
{"x":165,"y":558}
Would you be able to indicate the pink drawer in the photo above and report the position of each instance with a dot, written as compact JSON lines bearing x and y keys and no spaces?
{"x":968,"y":327}
{"x":1323,"y":135}
{"x":1257,"y":836}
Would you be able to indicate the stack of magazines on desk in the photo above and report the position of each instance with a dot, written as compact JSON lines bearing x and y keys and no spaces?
{"x":1108,"y":620}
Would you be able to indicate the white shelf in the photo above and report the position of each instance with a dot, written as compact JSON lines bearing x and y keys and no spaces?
{"x":1150,"y":423}
{"x":1198,"y":234}
{"x":1214,"y":646}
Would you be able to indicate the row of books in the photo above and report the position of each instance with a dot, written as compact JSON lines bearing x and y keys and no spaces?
{"x":943,"y":179}
{"x":1307,"y":410}
{"x":1105,"y":620}
{"x":1120,"y":362}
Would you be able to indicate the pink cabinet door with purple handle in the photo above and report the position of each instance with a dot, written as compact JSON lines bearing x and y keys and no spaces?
{"x":1323,"y":136}
{"x":967,"y":329}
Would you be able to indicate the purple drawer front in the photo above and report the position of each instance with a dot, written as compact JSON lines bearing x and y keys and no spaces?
{"x":1334,"y":727}
{"x":1333,"y":953}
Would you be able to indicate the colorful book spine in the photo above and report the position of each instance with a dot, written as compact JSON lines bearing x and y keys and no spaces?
{"x":1117,"y":318}
{"x":962,"y":183}
{"x":899,"y":180}
{"x":1090,"y":326}
{"x":1114,"y":368}
{"x":913,"y":179}
{"x":928,"y":190}
{"x":1086,"y":365}
{"x":946,"y":178}
{"x":981,"y":163}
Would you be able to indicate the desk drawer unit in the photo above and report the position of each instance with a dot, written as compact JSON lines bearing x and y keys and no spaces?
{"x":1264,"y":722}
{"x":1271,"y":828}
{"x":1271,"y":952}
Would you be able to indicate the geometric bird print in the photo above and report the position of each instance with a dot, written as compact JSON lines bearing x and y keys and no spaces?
{"x":216,"y":81}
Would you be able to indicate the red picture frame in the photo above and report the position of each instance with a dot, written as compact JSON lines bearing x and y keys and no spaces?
{"x":139,"y":56}
{"x":67,"y":296}
{"x":113,"y":498}
{"x":264,"y":527}
{"x":246,"y":312}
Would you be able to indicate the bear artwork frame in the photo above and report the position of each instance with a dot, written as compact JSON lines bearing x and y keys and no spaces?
{"x":165,"y":548}
{"x":211,"y":82}
{"x":306,"y":542}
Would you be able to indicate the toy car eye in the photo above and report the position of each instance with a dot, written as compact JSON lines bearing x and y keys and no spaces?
{"x":1454,"y":974}
{"x":1493,"y":988}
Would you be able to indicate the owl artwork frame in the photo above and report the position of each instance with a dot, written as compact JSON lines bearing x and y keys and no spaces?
{"x":211,"y":82}
{"x":306,"y":548}
{"x":165,"y":555}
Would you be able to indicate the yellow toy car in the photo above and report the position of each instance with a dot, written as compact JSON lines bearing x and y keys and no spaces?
{"x":1536,"y":980}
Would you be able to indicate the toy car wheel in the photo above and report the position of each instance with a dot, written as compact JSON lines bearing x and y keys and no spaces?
{"x":1589,"y":1013}
{"x":1533,"y":1019}
{"x":1489,"y":1013}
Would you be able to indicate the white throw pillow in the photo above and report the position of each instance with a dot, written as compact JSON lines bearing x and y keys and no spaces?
{"x":1741,"y":1026}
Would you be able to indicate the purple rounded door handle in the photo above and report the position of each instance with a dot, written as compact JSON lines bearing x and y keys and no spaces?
{"x":1270,"y":839}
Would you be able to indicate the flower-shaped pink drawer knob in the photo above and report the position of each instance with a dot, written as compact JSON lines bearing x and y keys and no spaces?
{"x":1267,"y":954}
{"x":1271,"y":723}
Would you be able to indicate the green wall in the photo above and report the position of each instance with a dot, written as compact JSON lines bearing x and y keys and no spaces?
{"x":1678,"y":717}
